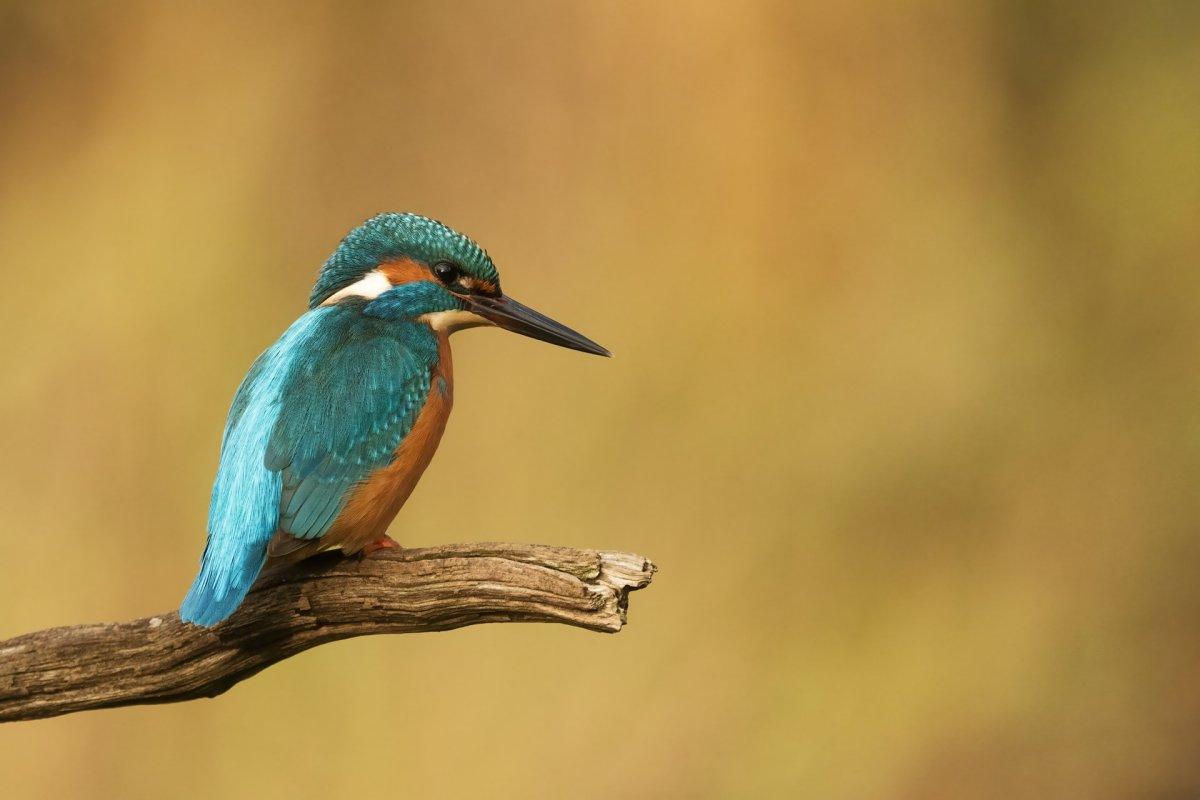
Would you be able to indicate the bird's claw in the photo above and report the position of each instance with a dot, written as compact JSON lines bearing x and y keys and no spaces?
{"x":382,"y":543}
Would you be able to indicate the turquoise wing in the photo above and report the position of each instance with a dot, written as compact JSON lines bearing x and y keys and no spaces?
{"x":344,"y":415}
{"x":320,"y":411}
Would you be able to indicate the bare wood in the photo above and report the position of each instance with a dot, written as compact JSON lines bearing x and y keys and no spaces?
{"x":163,"y":660}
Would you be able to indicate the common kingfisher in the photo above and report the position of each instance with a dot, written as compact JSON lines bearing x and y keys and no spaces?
{"x":334,"y":424}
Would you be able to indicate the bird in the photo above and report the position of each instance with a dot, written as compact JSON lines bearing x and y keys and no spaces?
{"x":335,"y":422}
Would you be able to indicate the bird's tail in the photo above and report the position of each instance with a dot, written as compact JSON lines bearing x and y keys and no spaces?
{"x":225,"y":578}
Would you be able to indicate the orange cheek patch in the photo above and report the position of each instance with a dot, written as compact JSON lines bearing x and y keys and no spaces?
{"x":485,"y":287}
{"x":405,"y":271}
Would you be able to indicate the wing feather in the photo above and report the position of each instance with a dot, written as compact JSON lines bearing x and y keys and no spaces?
{"x":343,"y":417}
{"x":321,"y":410}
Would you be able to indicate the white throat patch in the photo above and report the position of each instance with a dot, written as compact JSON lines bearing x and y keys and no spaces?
{"x":451,"y":321}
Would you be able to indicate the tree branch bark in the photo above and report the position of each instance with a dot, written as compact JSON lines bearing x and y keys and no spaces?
{"x":163,"y":660}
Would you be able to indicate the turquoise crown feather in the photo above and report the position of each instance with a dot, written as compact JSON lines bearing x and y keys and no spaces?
{"x":390,"y":236}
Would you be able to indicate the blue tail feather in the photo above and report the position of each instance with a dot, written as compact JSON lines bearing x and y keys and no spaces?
{"x":244,"y":511}
{"x":219,"y":590}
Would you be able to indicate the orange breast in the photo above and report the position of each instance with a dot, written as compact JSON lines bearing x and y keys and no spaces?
{"x":377,"y":500}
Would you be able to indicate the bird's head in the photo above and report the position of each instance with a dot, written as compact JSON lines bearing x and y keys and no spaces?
{"x":448,"y":280}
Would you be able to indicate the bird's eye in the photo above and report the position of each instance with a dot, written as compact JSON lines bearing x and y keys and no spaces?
{"x":446,"y":272}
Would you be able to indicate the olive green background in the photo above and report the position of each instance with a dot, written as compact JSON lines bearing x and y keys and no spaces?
{"x":905,"y":301}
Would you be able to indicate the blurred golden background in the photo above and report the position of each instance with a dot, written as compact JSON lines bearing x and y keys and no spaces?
{"x":905,"y":303}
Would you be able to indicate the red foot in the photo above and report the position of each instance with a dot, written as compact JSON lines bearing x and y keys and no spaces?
{"x":382,"y":543}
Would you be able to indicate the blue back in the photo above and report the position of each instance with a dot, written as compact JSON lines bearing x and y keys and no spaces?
{"x":319,"y":411}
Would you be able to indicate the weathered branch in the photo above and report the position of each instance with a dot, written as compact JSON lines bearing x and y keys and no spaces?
{"x":162,"y":660}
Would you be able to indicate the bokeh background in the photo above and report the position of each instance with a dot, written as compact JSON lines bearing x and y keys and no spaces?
{"x":905,"y":302}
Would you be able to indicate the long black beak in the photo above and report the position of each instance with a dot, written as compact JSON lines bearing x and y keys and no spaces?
{"x":513,"y":316}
